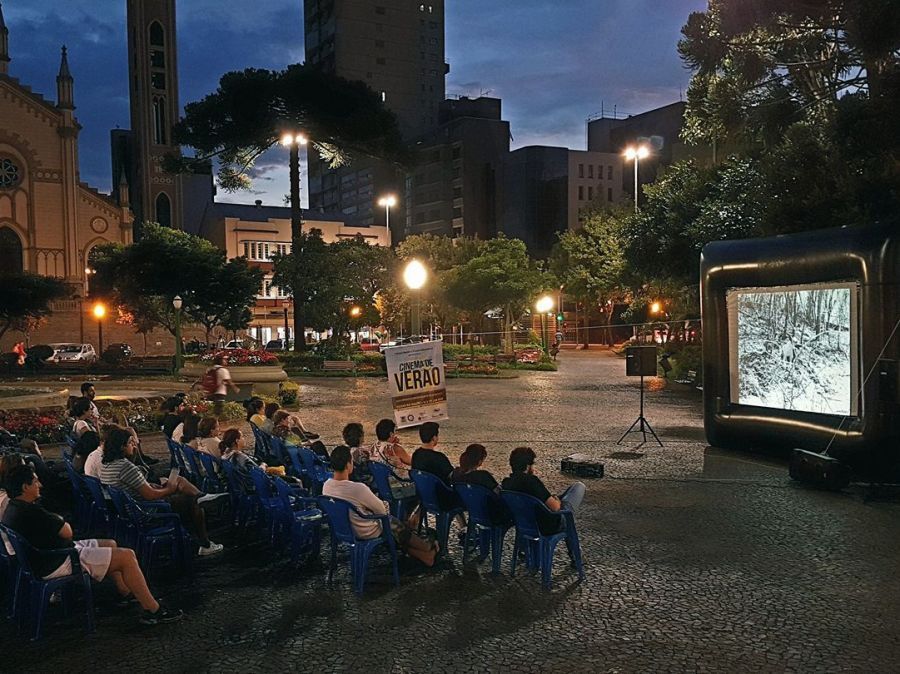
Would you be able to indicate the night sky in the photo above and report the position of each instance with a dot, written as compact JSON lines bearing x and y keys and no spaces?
{"x":553,"y":62}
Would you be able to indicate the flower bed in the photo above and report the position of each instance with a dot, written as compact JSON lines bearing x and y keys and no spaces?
{"x":241,"y":357}
{"x":45,"y":426}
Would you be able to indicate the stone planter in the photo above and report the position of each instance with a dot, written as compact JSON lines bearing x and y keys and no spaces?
{"x":34,"y":398}
{"x":250,"y":379}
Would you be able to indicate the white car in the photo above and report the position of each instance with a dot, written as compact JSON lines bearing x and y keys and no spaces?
{"x":235,"y":344}
{"x":73,"y":353}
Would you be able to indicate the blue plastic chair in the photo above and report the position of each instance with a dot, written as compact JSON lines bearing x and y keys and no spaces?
{"x":338,"y":513}
{"x":295,"y":466}
{"x":11,"y":572}
{"x":430,"y":488}
{"x":278,"y":451}
{"x":267,"y":501}
{"x":80,"y":494}
{"x":101,"y":519}
{"x":300,"y":519}
{"x":176,"y":460}
{"x":243,"y":502}
{"x":525,"y":509}
{"x":262,"y":451}
{"x":381,"y":475}
{"x":212,"y":481}
{"x":315,"y":471}
{"x":153,"y":531}
{"x":192,"y":465}
{"x":477,"y":500}
{"x":39,"y":590}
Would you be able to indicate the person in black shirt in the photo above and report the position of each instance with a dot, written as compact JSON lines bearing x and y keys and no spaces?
{"x":428,"y":460}
{"x":46,"y":531}
{"x":523,"y":480}
{"x":173,"y":409}
{"x":471,"y":472}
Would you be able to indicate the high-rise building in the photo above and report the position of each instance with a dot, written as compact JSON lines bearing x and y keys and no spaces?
{"x":456,"y":185}
{"x":397,"y":48}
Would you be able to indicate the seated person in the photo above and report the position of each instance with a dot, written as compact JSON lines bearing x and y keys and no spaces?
{"x":100,"y":558}
{"x":471,"y":472}
{"x":207,"y":439}
{"x":189,"y":429}
{"x":254,"y":408}
{"x":267,"y":425}
{"x":84,"y":421}
{"x":285,"y":423}
{"x":387,"y":449}
{"x":89,"y":392}
{"x":118,"y":471}
{"x":340,"y":486}
{"x":353,"y":435}
{"x":232,"y":448}
{"x":523,"y":480}
{"x":87,"y":443}
{"x":7,"y":463}
{"x":426,"y":458}
{"x":173,"y":414}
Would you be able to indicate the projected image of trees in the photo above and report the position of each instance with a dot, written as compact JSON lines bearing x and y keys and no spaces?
{"x":794,"y":349}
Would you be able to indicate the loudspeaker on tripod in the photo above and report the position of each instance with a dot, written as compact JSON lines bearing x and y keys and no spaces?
{"x":640,"y":361}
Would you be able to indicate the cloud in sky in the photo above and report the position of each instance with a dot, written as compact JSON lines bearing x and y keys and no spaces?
{"x":553,"y":63}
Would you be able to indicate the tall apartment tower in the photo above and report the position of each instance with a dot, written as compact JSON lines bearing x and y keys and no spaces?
{"x":397,"y":48}
{"x":153,"y":85}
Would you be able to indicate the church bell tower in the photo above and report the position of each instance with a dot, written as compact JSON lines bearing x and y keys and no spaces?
{"x":155,"y":195}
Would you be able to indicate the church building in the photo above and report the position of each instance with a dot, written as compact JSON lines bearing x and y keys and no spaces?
{"x":49,"y":219}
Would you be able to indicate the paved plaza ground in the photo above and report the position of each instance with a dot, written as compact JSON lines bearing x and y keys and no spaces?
{"x":697,"y":559}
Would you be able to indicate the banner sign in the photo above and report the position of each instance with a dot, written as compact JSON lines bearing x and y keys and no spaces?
{"x":416,"y":379}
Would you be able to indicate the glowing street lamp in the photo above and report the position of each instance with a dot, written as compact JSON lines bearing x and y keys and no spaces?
{"x":293,"y":141}
{"x":387,"y":202}
{"x":543,"y":306}
{"x":99,"y":312}
{"x":655,"y":308}
{"x":414,"y":276}
{"x":635,"y":154}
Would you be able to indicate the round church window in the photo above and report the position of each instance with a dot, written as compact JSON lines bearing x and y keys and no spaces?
{"x":10,"y":175}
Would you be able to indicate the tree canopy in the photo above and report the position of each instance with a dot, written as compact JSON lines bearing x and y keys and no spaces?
{"x":251,"y":109}
{"x":26,"y":298}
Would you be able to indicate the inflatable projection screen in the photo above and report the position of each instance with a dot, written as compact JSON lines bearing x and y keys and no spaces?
{"x":800,"y":344}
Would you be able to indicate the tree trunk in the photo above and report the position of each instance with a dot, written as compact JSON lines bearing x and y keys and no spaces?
{"x":509,"y":330}
{"x":586,"y":335}
{"x":296,"y":247}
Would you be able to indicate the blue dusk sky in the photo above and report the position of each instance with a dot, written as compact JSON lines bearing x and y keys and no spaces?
{"x":553,"y":62}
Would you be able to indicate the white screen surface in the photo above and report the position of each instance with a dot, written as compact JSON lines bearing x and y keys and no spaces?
{"x":794,"y":347}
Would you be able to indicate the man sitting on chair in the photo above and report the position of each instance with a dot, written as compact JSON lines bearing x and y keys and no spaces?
{"x":45,"y":530}
{"x":523,"y":480}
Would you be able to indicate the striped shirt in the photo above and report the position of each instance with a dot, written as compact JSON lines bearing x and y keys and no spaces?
{"x":123,"y":474}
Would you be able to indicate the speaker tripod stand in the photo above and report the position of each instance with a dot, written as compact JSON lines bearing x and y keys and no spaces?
{"x":642,"y":424}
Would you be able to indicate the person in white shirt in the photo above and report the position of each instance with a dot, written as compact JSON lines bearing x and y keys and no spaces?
{"x":340,"y":486}
{"x":84,"y":420}
{"x":208,"y":437}
{"x":223,"y":383}
{"x":94,"y":462}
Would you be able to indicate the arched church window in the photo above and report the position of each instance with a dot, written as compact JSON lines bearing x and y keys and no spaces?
{"x":163,"y":210}
{"x":10,"y":173}
{"x":159,"y":120}
{"x":157,"y":35}
{"x":10,"y":251}
{"x":157,"y":58}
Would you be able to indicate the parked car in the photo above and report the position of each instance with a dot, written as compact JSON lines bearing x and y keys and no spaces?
{"x":41,"y":353}
{"x":117,"y":352}
{"x":74,"y":353}
{"x":400,"y":341}
{"x":235,"y":344}
{"x":277,"y":345}
{"x":367,"y":344}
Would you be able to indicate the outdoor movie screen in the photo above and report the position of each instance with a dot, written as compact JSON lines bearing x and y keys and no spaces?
{"x":795,"y":347}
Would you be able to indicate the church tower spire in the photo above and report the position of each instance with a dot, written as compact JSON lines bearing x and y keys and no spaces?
{"x":4,"y":45}
{"x":65,"y":84}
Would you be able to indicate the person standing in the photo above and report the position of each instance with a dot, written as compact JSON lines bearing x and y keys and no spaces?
{"x":217,"y":382}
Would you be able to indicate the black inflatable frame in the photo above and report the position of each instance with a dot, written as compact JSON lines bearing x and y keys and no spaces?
{"x":870,"y":256}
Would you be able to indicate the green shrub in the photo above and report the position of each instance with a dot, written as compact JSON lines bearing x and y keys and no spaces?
{"x":289,"y":392}
{"x":684,"y":357}
{"x":232,"y":411}
{"x":301,"y":361}
{"x":454,"y":351}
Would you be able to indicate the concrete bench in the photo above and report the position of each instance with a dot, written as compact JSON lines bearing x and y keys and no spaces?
{"x":451,"y":367}
{"x":338,"y":366}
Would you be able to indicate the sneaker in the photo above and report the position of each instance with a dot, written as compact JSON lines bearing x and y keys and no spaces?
{"x":212,"y":549}
{"x":163,"y":615}
{"x":309,"y":435}
{"x":210,"y":497}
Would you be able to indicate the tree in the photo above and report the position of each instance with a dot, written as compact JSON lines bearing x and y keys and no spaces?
{"x":145,"y":277}
{"x":252,"y":109}
{"x":590,"y":264}
{"x":25,"y":298}
{"x":501,"y":276}
{"x":307,"y":274}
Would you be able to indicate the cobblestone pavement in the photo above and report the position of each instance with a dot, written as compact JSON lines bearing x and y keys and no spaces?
{"x":697,"y":559}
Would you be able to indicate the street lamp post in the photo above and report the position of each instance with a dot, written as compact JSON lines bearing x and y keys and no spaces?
{"x":415,"y":276}
{"x":543,"y":306}
{"x":99,"y":313}
{"x":388,"y":202}
{"x":293,"y":141}
{"x":636,"y":154}
{"x":177,"y":302}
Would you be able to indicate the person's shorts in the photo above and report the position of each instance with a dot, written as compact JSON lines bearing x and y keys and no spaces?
{"x":400,"y":531}
{"x":94,"y":559}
